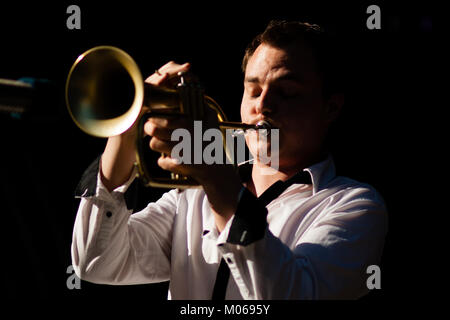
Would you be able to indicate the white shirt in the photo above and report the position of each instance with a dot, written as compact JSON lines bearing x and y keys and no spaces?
{"x":319,"y":242}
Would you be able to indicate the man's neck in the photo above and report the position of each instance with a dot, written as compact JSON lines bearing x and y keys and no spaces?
{"x":263,"y":176}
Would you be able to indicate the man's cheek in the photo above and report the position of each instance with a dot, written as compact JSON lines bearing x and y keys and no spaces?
{"x":245,"y":111}
{"x":252,"y":143}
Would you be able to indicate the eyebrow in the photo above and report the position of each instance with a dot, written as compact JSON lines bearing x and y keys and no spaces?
{"x":251,"y":80}
{"x":288,"y":76}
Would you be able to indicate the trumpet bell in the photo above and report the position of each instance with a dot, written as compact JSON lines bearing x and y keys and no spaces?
{"x":102,"y":85}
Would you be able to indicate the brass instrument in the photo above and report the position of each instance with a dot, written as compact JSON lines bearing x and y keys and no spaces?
{"x":106,"y":94}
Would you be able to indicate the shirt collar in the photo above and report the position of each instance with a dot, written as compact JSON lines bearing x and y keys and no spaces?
{"x":321,"y":173}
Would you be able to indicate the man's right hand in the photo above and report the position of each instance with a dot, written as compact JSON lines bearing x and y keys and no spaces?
{"x":119,"y":155}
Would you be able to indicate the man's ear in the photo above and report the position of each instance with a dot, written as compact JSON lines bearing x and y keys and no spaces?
{"x":333,"y":106}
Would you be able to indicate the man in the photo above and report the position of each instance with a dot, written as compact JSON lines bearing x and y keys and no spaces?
{"x":299,"y":233}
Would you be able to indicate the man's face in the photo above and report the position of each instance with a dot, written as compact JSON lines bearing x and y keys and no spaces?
{"x":284,"y":88}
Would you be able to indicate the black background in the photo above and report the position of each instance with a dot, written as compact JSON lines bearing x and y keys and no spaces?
{"x":380,"y":138}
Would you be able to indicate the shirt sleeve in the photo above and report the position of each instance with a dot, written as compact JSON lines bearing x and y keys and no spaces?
{"x":329,"y":261}
{"x":111,"y":245}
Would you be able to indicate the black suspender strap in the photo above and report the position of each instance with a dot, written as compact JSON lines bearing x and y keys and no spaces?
{"x":220,"y":286}
{"x":223,"y":274}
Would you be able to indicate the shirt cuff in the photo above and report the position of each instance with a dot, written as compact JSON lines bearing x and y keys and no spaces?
{"x":88,"y":182}
{"x":91,"y":185}
{"x":249,"y":223}
{"x":103,"y":193}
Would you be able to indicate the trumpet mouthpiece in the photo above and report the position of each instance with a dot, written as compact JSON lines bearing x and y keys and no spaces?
{"x":263,"y":125}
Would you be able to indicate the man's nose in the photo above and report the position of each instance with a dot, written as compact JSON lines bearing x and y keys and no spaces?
{"x":265,"y":104}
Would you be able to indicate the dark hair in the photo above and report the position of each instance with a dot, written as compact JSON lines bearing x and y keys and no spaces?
{"x":282,"y":34}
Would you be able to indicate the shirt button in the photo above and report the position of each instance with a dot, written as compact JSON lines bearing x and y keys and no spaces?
{"x":109,"y":214}
{"x":229,"y":260}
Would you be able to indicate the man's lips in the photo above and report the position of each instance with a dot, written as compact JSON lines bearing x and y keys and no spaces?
{"x":265,"y":123}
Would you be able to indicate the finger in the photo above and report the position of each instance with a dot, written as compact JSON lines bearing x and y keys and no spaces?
{"x":162,"y":146}
{"x":159,"y":131}
{"x":166,"y":72}
{"x":171,"y":164}
{"x":157,"y":78}
{"x":172,"y":68}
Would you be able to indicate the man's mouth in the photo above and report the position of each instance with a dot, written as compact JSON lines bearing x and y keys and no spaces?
{"x":263,"y":123}
{"x":262,"y":127}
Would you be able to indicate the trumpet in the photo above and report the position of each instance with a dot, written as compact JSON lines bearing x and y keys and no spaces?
{"x":106,"y":93}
